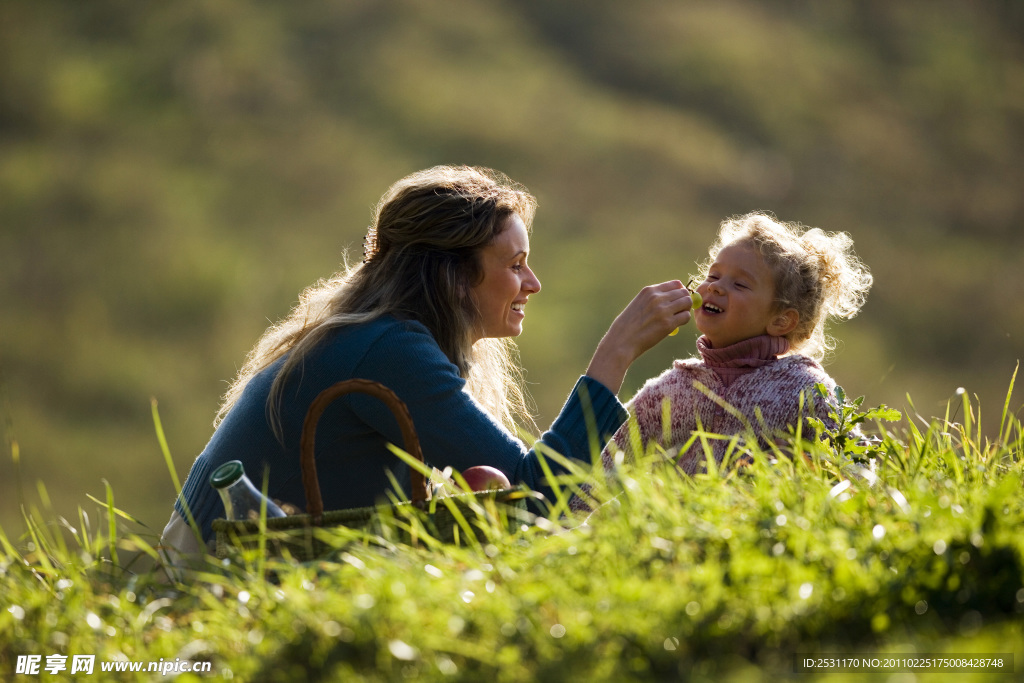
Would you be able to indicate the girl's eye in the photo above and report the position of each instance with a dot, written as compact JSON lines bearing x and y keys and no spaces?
{"x":742,"y":285}
{"x":517,"y":267}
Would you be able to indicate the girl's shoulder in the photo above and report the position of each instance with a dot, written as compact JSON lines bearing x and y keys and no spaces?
{"x":683,"y":373}
{"x":799,"y":363}
{"x":676,"y":383}
{"x":796,"y":367}
{"x":688,"y":366}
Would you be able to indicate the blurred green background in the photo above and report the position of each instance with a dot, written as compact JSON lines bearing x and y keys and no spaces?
{"x":173,"y":174}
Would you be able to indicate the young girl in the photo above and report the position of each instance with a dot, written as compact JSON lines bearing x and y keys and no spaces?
{"x":769,"y":287}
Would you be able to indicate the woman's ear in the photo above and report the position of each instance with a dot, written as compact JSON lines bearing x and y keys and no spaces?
{"x":783,"y":323}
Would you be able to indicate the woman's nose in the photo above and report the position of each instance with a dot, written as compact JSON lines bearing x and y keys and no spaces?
{"x":531,"y":283}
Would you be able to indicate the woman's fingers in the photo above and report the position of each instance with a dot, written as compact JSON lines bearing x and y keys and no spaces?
{"x":685,"y":315}
{"x":665,"y":307}
{"x":651,"y":316}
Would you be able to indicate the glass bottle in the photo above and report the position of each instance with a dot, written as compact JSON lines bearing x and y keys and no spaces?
{"x":241,"y":499}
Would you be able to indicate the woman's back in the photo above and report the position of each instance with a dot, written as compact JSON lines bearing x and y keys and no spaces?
{"x":352,"y":435}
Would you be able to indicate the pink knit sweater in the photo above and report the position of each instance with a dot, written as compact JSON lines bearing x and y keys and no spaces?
{"x":747,"y":376}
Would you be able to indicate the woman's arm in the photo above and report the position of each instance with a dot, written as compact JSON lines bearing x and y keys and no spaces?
{"x":455,"y":431}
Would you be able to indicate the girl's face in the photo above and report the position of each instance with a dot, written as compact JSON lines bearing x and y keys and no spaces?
{"x":507,"y":283}
{"x":739,"y":298}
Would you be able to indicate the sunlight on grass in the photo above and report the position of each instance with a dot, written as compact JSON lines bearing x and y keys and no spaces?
{"x":907,"y":541}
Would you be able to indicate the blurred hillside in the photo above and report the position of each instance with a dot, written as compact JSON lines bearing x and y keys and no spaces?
{"x":173,"y":174}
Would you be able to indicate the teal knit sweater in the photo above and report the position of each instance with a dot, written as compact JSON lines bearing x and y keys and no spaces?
{"x":351,"y":453}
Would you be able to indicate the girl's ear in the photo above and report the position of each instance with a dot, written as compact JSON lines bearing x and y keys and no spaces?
{"x":783,"y":323}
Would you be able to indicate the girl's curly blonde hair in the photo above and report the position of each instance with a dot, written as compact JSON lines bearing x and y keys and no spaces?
{"x":816,"y":273}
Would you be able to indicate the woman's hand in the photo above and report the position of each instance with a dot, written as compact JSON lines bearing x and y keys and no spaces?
{"x":649,"y":318}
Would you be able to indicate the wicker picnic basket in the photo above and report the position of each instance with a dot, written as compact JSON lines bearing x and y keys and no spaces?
{"x":449,"y":519}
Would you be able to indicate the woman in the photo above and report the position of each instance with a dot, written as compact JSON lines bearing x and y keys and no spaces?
{"x":430,"y":313}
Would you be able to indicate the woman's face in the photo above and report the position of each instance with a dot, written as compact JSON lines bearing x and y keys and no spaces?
{"x":507,"y":282}
{"x":739,"y":294}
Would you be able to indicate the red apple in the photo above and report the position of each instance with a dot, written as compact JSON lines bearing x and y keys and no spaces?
{"x":484,"y":477}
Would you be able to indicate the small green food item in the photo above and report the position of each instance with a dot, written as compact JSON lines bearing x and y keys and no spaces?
{"x":698,"y":301}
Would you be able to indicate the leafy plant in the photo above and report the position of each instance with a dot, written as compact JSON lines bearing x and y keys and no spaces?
{"x":847,"y":418}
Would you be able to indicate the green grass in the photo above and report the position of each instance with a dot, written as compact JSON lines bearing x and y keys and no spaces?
{"x":908,"y":544}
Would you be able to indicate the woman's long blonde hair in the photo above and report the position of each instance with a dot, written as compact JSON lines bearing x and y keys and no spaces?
{"x":421,"y":259}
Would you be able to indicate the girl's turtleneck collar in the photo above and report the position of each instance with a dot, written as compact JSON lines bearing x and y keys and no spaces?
{"x":733,"y":361}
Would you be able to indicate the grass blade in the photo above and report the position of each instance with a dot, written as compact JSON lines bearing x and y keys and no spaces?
{"x":169,"y":461}
{"x":111,"y":524}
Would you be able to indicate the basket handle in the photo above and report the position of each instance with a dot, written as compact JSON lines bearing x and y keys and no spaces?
{"x":310,"y":482}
